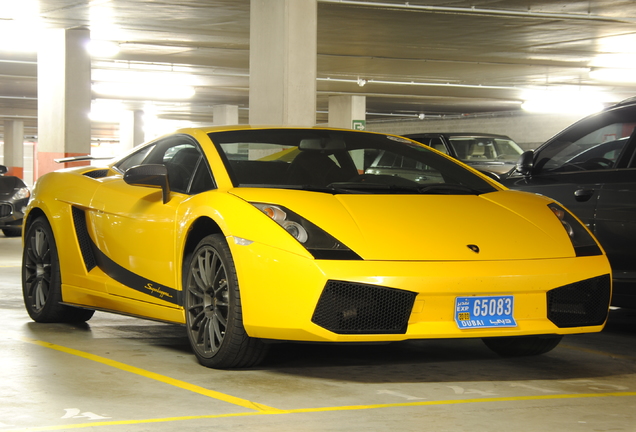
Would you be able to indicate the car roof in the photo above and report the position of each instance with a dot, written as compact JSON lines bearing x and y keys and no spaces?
{"x":458,"y":134}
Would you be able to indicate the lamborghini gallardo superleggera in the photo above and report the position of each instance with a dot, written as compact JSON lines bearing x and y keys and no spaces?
{"x":249,"y":236}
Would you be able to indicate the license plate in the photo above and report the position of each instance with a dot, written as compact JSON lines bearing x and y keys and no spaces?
{"x":484,"y":312}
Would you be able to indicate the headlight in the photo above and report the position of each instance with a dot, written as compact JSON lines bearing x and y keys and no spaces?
{"x":584,"y":244}
{"x":21,"y":193}
{"x":319,"y":243}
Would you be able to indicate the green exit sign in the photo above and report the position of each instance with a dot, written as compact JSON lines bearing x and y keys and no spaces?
{"x":359,"y":124}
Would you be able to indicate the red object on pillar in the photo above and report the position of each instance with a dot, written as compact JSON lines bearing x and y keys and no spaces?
{"x":15,"y":171}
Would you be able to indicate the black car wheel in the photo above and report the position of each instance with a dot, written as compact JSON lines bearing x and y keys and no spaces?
{"x":213,"y":309}
{"x":12,"y":232}
{"x":516,"y":346}
{"x":41,"y":281}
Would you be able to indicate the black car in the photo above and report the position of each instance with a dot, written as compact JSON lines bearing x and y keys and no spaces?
{"x":485,"y":152}
{"x":590,"y":168}
{"x":14,"y":196}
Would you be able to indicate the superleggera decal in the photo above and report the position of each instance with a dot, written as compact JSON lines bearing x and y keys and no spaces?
{"x":133,"y":280}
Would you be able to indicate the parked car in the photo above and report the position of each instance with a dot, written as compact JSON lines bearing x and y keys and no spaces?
{"x":485,"y":152}
{"x":590,"y":168}
{"x":249,"y":235}
{"x":14,"y":196}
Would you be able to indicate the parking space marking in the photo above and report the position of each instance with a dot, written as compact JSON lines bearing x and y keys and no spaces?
{"x":593,"y":351}
{"x":155,"y":376}
{"x":325,"y":409}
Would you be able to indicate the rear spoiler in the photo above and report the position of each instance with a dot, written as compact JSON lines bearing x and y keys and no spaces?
{"x":81,"y":158}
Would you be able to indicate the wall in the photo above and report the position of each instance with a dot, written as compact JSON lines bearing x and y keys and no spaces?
{"x":528,"y":130}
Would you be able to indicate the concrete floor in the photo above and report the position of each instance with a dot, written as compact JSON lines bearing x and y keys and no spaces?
{"x":124,"y":374}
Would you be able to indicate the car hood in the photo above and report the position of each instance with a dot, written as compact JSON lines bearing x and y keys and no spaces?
{"x":8,"y":186}
{"x":504,"y":225}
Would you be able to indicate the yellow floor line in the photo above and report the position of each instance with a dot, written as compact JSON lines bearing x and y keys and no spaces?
{"x":323,"y":409}
{"x":155,"y":376}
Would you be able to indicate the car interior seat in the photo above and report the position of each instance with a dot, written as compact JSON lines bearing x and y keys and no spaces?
{"x":315,"y":168}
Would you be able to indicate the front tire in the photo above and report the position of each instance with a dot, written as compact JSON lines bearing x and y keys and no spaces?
{"x":517,"y":346}
{"x":214,"y":318}
{"x":41,"y":281}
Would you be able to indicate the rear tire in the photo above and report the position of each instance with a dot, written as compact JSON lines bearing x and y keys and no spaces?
{"x":12,"y":232}
{"x":517,"y":346}
{"x":214,"y":318}
{"x":41,"y":281}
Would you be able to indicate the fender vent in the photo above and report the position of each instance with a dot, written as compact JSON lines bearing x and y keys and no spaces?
{"x":97,"y":173}
{"x":583,"y":303}
{"x":353,"y":308}
{"x":84,"y":240}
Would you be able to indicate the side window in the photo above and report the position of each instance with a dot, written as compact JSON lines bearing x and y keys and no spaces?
{"x":134,"y":159}
{"x":182,"y":161}
{"x":182,"y":158}
{"x":438,"y":145}
{"x":597,"y":150}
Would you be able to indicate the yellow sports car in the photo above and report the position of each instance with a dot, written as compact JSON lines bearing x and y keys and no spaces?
{"x":253,"y":235}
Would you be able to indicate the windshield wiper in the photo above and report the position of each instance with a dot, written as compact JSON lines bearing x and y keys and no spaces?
{"x":448,"y":189}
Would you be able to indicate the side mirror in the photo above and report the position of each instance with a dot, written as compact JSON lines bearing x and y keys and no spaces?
{"x":525,"y":163}
{"x":3,"y":169}
{"x":154,"y":176}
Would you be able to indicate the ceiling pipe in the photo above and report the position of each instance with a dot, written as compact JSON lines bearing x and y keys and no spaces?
{"x":479,"y":11}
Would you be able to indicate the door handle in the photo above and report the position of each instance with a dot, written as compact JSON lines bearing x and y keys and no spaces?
{"x":582,"y":195}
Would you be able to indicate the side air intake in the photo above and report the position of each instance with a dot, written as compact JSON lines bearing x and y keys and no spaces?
{"x":583,"y":303}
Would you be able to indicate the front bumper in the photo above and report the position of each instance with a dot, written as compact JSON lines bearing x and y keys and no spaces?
{"x":280,"y":294}
{"x":12,"y":213}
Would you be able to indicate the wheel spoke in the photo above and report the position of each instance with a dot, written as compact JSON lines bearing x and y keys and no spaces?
{"x":221,"y":319}
{"x":40,"y":296}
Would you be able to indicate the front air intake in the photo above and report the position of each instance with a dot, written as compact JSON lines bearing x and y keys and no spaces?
{"x":583,"y":303}
{"x":354,"y":308}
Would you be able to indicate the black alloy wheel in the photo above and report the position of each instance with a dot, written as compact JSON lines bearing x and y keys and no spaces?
{"x":41,"y":280}
{"x":213,"y":309}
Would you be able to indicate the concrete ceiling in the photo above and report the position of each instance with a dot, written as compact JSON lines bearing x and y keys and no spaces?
{"x":443,"y":57}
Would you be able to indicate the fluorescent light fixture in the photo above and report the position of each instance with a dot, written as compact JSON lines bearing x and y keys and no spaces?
{"x":106,"y":111}
{"x":143,"y":77}
{"x":620,"y":75}
{"x":143,"y":91}
{"x":562,"y":101}
{"x":19,"y":36}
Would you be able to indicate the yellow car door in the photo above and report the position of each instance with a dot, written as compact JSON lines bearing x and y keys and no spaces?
{"x":135,"y":227}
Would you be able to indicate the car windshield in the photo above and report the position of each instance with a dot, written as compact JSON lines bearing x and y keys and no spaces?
{"x":341,"y":162}
{"x":478,"y":149}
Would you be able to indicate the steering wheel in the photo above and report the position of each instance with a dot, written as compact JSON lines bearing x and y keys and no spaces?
{"x":603,"y":162}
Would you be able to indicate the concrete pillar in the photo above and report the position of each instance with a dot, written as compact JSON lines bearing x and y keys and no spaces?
{"x":64,"y":98}
{"x":131,"y":130}
{"x":283,"y":35}
{"x":348,"y":112}
{"x":225,"y":115}
{"x":14,"y":147}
